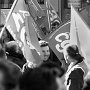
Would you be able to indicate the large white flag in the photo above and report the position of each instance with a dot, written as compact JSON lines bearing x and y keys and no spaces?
{"x":80,"y":34}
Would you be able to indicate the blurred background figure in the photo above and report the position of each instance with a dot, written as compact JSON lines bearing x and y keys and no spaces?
{"x":9,"y":75}
{"x":40,"y":79}
{"x":87,"y":86}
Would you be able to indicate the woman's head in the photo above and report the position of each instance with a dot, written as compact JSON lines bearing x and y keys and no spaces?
{"x":71,"y":52}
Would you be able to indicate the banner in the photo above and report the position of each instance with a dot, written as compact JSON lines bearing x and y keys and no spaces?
{"x":20,"y":25}
{"x":59,"y":39}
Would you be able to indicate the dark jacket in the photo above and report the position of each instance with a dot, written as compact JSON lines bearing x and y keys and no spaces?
{"x":74,"y":78}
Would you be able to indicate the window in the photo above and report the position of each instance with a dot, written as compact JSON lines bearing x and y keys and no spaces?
{"x":1,"y":3}
{"x":4,"y":4}
{"x":40,"y":2}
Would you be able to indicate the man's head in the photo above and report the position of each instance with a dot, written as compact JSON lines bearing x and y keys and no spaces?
{"x":45,"y":50}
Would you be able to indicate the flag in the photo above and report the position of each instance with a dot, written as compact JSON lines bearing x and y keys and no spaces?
{"x":53,"y":18}
{"x":65,"y":29}
{"x":82,"y":30}
{"x":35,"y":9}
{"x":59,"y":39}
{"x":20,"y":25}
{"x":40,"y":18}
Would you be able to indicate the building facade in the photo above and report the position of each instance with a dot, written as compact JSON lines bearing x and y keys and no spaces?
{"x":62,"y":7}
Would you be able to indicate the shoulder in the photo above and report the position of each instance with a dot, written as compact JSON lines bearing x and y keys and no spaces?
{"x":77,"y":73}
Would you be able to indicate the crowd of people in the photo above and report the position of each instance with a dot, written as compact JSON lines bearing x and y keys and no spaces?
{"x":51,"y":74}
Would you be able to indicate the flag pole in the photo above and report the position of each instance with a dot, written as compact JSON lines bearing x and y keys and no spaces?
{"x":8,"y":16}
{"x":47,"y":2}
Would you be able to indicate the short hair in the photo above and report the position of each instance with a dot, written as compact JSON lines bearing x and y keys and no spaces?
{"x":38,"y":79}
{"x":43,"y":43}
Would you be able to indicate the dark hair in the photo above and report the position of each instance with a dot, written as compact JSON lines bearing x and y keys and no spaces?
{"x":15,"y":55}
{"x":43,"y":43}
{"x":38,"y":79}
{"x":11,"y":48}
{"x":73,"y":52}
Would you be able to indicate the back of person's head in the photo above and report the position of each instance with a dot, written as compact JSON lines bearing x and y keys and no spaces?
{"x":38,"y":79}
{"x":14,"y":53}
{"x":10,"y":81}
{"x":73,"y":52}
{"x":13,"y":47}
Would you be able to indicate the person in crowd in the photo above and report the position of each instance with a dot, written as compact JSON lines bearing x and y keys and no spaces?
{"x":9,"y":75}
{"x":56,"y":70}
{"x":75,"y":73}
{"x":45,"y":50}
{"x":39,"y":79}
{"x":55,"y":25}
{"x":14,"y":53}
{"x":87,"y":86}
{"x":47,"y":54}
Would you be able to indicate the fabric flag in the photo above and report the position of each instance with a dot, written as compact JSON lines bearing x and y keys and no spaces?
{"x":65,"y":29}
{"x":59,"y":39}
{"x":35,"y":9}
{"x":39,"y":17}
{"x":74,"y":39}
{"x":20,"y":25}
{"x":83,"y":32}
{"x":53,"y":18}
